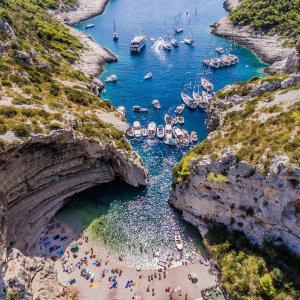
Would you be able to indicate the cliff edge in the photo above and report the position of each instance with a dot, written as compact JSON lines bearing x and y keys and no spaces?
{"x":246,"y":174}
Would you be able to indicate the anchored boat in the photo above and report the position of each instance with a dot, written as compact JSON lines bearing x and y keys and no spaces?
{"x":178,"y":241}
{"x":160,"y":131}
{"x":111,"y":78}
{"x":144,"y":131}
{"x":115,"y":34}
{"x":179,"y":109}
{"x":175,"y":43}
{"x":90,"y":25}
{"x":130,"y":132}
{"x":156,"y":104}
{"x":137,"y":129}
{"x":137,"y":108}
{"x":167,"y":119}
{"x":178,"y":135}
{"x":194,"y":136}
{"x":151,"y":130}
{"x":168,"y":131}
{"x":148,"y":76}
{"x":180,"y":119}
{"x":138,"y":43}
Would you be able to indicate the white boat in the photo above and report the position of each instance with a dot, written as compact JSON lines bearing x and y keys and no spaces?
{"x":87,"y":26}
{"x":189,"y":39}
{"x":213,"y":63}
{"x":167,"y":45}
{"x":168,"y":131}
{"x":137,"y":129}
{"x":220,"y":50}
{"x":130,"y":132}
{"x":160,"y":131}
{"x":167,"y":119}
{"x":207,"y":85}
{"x":115,"y":34}
{"x":175,"y":43}
{"x":180,"y":119}
{"x":121,"y":110}
{"x":188,"y":101}
{"x":156,"y":104}
{"x":194,"y":136}
{"x":170,"y":142}
{"x":178,"y":241}
{"x":137,"y":108}
{"x":111,"y":78}
{"x":189,"y":42}
{"x":152,"y":39}
{"x":179,"y":109}
{"x":151,"y":130}
{"x":202,"y":103}
{"x":186,"y":136}
{"x":138,"y":43}
{"x":178,"y":30}
{"x":178,"y":25}
{"x":178,"y":135}
{"x":148,"y":76}
{"x":144,"y":131}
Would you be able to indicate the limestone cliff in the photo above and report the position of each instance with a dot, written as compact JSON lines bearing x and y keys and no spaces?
{"x":247,"y":173}
{"x":38,"y":178}
{"x":57,"y":137}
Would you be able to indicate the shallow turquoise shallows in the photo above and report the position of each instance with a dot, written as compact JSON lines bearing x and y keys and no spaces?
{"x":132,"y":216}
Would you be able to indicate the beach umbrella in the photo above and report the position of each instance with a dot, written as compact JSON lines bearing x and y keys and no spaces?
{"x":74,"y":245}
{"x":95,"y":286}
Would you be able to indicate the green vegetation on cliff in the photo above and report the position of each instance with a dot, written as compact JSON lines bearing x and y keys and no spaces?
{"x":40,"y":89}
{"x":276,"y":16}
{"x":250,"y":273}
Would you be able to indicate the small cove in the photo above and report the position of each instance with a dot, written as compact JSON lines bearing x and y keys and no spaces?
{"x":130,"y":217}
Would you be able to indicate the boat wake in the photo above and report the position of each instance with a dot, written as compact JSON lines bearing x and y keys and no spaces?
{"x":157,"y":48}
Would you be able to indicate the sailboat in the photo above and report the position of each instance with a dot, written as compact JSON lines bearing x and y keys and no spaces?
{"x":196,"y":9}
{"x":166,"y":43}
{"x":178,"y":25}
{"x":115,"y":34}
{"x":189,"y":38}
{"x":202,"y":103}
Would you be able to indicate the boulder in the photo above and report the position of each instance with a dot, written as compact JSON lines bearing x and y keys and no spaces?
{"x":23,"y":56}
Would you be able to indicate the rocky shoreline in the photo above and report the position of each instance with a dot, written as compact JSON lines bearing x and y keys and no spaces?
{"x":84,"y":10}
{"x":269,"y":48}
{"x":94,"y":57}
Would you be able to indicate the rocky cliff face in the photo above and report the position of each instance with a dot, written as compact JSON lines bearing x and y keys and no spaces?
{"x":38,"y":178}
{"x":240,"y":176}
{"x":262,"y":206}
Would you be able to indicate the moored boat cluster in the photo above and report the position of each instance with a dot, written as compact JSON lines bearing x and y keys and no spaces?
{"x":170,"y":132}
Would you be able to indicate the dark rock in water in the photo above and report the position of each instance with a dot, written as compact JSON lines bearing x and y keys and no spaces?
{"x":23,"y":56}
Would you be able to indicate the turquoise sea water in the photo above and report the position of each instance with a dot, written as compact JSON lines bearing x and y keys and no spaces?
{"x":132,"y":216}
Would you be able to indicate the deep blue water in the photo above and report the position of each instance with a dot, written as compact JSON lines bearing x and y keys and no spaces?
{"x":143,"y":215}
